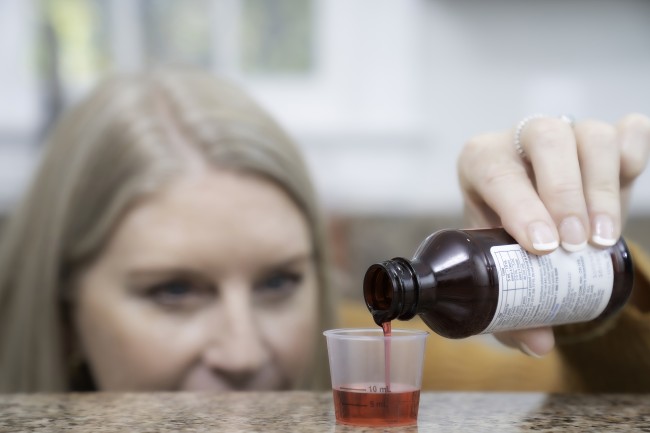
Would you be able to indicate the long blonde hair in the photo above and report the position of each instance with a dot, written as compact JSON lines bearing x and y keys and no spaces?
{"x":126,"y":140}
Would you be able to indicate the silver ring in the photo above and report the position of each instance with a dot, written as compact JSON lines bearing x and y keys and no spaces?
{"x":522,"y":124}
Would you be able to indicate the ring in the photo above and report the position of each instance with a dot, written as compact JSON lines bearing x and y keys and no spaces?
{"x":522,"y":124}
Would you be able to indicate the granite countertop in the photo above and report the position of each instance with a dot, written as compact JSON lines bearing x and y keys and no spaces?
{"x":314,"y":412}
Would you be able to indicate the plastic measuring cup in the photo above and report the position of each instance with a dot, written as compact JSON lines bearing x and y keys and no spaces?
{"x":376,"y":380}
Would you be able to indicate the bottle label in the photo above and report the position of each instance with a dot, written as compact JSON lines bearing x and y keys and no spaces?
{"x":552,"y":289}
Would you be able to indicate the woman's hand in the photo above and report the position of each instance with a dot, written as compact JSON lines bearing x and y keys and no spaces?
{"x":570,"y":187}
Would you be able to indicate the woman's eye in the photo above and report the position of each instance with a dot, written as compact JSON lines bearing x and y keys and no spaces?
{"x":279,"y":285}
{"x":177,"y":293}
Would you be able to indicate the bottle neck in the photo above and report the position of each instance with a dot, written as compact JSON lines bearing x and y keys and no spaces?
{"x":390,"y":290}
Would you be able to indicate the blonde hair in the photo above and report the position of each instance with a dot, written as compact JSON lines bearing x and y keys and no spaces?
{"x":126,"y":140}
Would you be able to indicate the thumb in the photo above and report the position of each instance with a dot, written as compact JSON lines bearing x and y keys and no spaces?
{"x":535,"y":342}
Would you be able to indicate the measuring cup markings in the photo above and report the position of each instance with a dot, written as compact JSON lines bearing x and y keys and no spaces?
{"x":390,"y":408}
{"x":393,"y":363}
{"x":352,"y":389}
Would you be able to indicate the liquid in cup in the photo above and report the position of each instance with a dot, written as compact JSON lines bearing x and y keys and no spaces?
{"x":375,"y":379}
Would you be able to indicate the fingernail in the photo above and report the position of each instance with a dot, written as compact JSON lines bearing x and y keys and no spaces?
{"x":525,"y":349}
{"x":542,"y":236}
{"x":573,"y":234}
{"x":603,"y":231}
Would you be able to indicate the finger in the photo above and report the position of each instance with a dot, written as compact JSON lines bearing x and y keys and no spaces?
{"x":552,"y":150}
{"x":598,"y":152}
{"x":472,"y":156}
{"x":492,"y":172}
{"x":634,"y":143}
{"x":535,"y":342}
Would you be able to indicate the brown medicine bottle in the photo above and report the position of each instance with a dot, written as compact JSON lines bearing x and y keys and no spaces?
{"x":467,"y":282}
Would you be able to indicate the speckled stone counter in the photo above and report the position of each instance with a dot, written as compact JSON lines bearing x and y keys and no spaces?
{"x":314,"y":412}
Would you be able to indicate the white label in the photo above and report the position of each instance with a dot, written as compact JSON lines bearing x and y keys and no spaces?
{"x":552,"y":289}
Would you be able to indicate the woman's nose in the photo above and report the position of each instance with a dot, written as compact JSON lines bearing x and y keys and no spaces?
{"x":235,"y":343}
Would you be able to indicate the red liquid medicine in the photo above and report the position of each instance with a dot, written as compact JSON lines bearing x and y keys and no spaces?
{"x":373,"y":405}
{"x":387,"y":328}
{"x":376,"y":376}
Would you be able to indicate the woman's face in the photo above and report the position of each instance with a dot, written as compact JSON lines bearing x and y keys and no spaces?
{"x":209,"y":285}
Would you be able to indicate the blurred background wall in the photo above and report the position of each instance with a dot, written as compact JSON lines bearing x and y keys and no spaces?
{"x":381,"y":94}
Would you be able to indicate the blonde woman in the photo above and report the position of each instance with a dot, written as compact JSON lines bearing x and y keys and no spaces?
{"x":170,"y":241}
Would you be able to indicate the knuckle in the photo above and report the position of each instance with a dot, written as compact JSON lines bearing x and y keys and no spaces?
{"x":524,"y":207}
{"x":565,"y":192}
{"x":479,"y":144}
{"x":632,"y":167}
{"x":637,"y":121}
{"x":604,"y":190}
{"x":492,"y":174}
{"x":636,"y":150}
{"x":475,"y":152}
{"x":547,"y":133}
{"x":595,"y":133}
{"x":605,"y":200}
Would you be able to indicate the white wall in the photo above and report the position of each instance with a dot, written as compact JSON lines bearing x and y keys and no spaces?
{"x":406,"y":83}
{"x":490,"y":63}
{"x":400,"y":85}
{"x":19,"y":99}
{"x":361,"y":116}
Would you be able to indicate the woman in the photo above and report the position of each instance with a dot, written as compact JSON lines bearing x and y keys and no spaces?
{"x":171,"y":241}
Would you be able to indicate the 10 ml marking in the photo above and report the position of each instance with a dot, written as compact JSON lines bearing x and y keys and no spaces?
{"x":382,"y":389}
